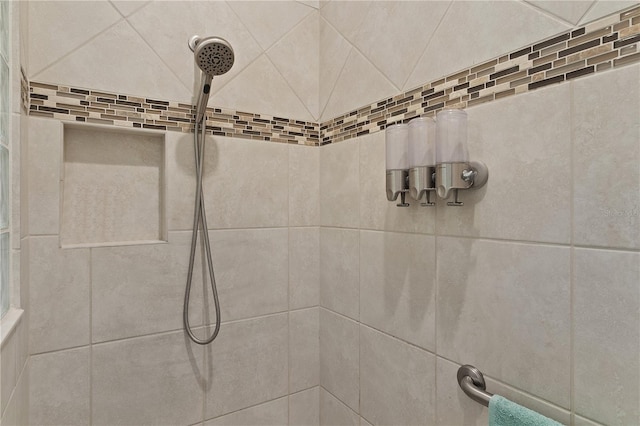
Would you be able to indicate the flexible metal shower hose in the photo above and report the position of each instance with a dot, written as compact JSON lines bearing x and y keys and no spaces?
{"x":200,"y":217}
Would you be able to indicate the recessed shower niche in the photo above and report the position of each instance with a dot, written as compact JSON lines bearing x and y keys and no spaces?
{"x":112,"y":186}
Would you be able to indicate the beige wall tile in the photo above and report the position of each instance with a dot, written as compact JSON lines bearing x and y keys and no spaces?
{"x":59,"y":389}
{"x":339,"y":183}
{"x":247,"y":366}
{"x":304,"y":267}
{"x":59,"y":296}
{"x":270,"y":413}
{"x":43,"y":176}
{"x":304,"y":185}
{"x":251,"y":272}
{"x":511,"y":302}
{"x":508,"y":137}
{"x":339,"y":270}
{"x":606,"y":156}
{"x":138,"y":290}
{"x":334,"y":413}
{"x":133,"y":382}
{"x":396,"y":381}
{"x":607,"y":335}
{"x":304,"y":349}
{"x":244,"y":183}
{"x":398,"y":284}
{"x":339,"y":358}
{"x":304,"y":408}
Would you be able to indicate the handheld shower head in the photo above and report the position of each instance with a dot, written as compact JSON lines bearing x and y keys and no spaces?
{"x":214,"y":56}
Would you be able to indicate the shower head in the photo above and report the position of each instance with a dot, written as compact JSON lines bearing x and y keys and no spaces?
{"x":214,"y":56}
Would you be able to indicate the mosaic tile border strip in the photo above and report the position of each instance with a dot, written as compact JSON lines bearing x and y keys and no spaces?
{"x":607,"y":43}
{"x":24,"y":91}
{"x":91,"y":106}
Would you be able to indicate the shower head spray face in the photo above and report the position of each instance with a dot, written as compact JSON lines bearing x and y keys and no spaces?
{"x":214,"y":55}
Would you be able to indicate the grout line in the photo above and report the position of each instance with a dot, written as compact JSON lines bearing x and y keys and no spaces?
{"x":90,"y":336}
{"x":339,"y":400}
{"x":572,"y":278}
{"x":550,"y":14}
{"x":75,"y":49}
{"x":323,"y":108}
{"x":435,"y":30}
{"x":205,"y":419}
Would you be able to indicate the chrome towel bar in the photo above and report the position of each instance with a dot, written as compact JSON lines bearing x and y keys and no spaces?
{"x":472,"y":383}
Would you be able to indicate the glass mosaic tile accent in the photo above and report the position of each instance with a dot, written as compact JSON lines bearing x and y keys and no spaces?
{"x":92,"y":106}
{"x":607,"y":43}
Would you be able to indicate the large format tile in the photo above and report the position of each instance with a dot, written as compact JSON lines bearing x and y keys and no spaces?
{"x":304,"y":267}
{"x":59,"y":295}
{"x":454,"y":407}
{"x":339,"y":184}
{"x":99,"y":63}
{"x":606,"y":155}
{"x":304,"y":185}
{"x":251,"y":272}
{"x":503,"y":303}
{"x":269,"y":22}
{"x":494,"y":29}
{"x":397,"y":381}
{"x":571,"y":11}
{"x":245,"y":182}
{"x":333,"y":412}
{"x":147,"y":380}
{"x":247,"y":365}
{"x":303,"y":73}
{"x":59,"y":384}
{"x":376,"y":212}
{"x":270,"y":413}
{"x":304,"y":349}
{"x":166,"y":27}
{"x":43,"y":176}
{"x":359,"y":83}
{"x":398,"y":284}
{"x":334,"y":50}
{"x":339,"y":286}
{"x":528,"y":193}
{"x":339,"y":357}
{"x":607,"y":335}
{"x":261,"y":88}
{"x":394,"y":34}
{"x":304,"y":408}
{"x":73,"y":23}
{"x":139,"y":290}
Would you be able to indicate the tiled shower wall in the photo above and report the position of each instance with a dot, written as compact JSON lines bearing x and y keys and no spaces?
{"x":106,"y":340}
{"x":263,"y":203}
{"x":535,"y":280}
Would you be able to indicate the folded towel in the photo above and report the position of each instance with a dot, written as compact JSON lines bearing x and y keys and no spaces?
{"x":503,"y":412}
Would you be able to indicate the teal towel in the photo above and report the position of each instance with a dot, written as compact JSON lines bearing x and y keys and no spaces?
{"x":503,"y":412}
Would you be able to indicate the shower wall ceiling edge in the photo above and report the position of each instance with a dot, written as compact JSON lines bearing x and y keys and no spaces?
{"x":608,"y":43}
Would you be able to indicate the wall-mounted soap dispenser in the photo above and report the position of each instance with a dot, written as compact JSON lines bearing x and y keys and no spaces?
{"x":454,"y":171}
{"x":397,"y":151}
{"x":422,"y":159}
